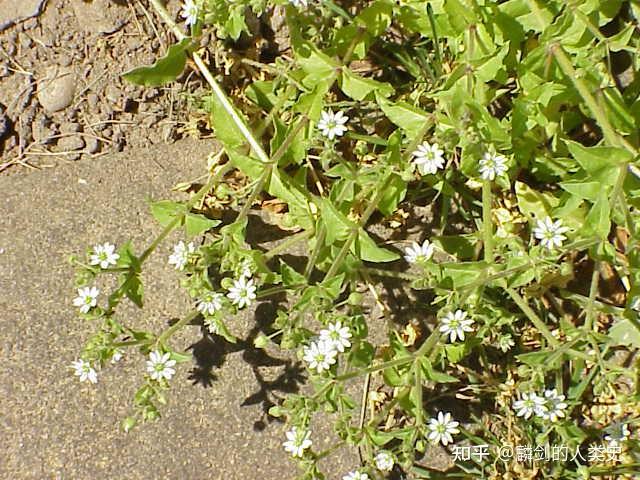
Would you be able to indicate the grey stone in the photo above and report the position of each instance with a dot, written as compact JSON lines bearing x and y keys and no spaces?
{"x":13,"y":11}
{"x":57,"y":88}
{"x":91,"y":144}
{"x":70,"y":143}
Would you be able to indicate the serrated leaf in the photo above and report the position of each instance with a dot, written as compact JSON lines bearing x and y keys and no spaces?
{"x":164,"y":70}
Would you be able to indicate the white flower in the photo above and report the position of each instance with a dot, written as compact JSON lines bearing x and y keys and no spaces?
{"x":355,"y":475}
{"x":384,"y":461}
{"x":442,"y":428}
{"x":190,"y":12}
{"x":428,"y":158}
{"x":530,"y":404}
{"x":117,"y":355}
{"x":299,"y":3}
{"x":505,"y":342}
{"x":555,"y":405}
{"x":455,"y":324}
{"x":85,"y":371}
{"x":86,"y":299}
{"x":550,"y":233}
{"x":297,"y":441}
{"x":492,"y":166}
{"x":617,"y":433}
{"x":332,"y":124}
{"x":243,"y":292}
{"x":210,"y":303}
{"x":104,"y":255}
{"x":180,"y":254}
{"x":320,"y":355}
{"x":211,"y":325}
{"x":159,"y":365}
{"x":416,"y":252}
{"x":337,"y":335}
{"x":246,"y":268}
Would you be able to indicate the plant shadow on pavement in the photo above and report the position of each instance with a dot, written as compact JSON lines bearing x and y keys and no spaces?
{"x":211,"y":350}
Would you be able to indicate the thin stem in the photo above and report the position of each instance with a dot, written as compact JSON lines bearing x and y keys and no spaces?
{"x":610,"y":134}
{"x":487,"y":223}
{"x":283,"y":246}
{"x":179,"y":218}
{"x":222,"y":97}
{"x":537,"y":321}
{"x":162,"y":339}
{"x":375,"y":368}
{"x":593,"y":290}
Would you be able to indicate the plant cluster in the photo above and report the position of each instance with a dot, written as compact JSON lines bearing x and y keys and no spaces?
{"x":514,"y":124}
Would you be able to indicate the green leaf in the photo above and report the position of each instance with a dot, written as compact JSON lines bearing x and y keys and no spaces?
{"x":366,"y":249}
{"x":585,"y":189}
{"x":127,"y":258}
{"x":165,"y":211}
{"x":533,"y":203}
{"x":533,"y":359}
{"x":196,"y":223}
{"x":459,"y":274}
{"x":224,"y":126}
{"x":165,"y":70}
{"x":625,"y":332}
{"x":595,"y":159}
{"x":393,"y":195}
{"x":598,"y":221}
{"x":376,"y":18}
{"x":434,"y":375}
{"x":290,"y":277}
{"x":362,"y":355}
{"x":338,"y":226}
{"x":251,"y":167}
{"x":318,"y":66}
{"x":181,"y":357}
{"x":358,"y":87}
{"x":133,"y":289}
{"x":455,"y":352}
{"x":411,"y":119}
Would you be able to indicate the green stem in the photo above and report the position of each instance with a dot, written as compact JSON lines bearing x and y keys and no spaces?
{"x":222,"y":97}
{"x":610,"y":134}
{"x":375,"y":368}
{"x":298,"y":237}
{"x":162,"y":339}
{"x":593,"y":290}
{"x":537,"y":321}
{"x":355,"y":231}
{"x":487,"y":223}
{"x":179,"y":218}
